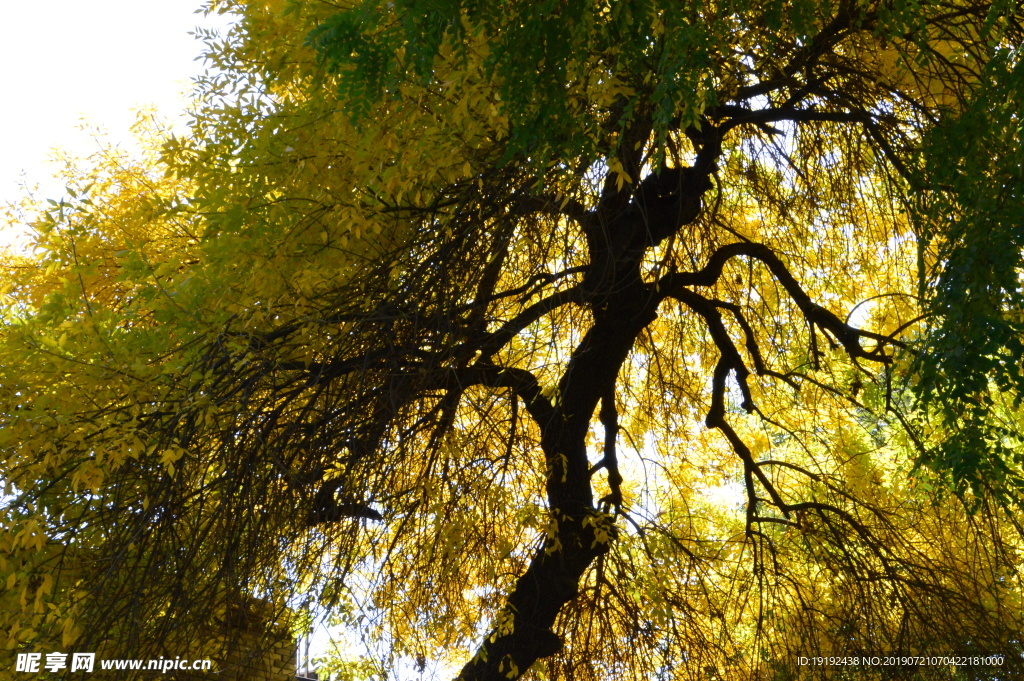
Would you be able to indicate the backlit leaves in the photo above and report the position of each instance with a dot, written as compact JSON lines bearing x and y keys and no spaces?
{"x":563,"y":340}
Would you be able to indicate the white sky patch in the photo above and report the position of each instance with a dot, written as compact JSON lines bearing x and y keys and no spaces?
{"x":731,"y":495}
{"x":63,"y":62}
{"x":860,"y":316}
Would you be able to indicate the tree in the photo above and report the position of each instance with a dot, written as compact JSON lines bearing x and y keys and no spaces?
{"x":574,"y":338}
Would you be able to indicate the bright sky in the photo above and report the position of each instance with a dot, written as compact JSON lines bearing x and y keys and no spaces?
{"x":62,"y":60}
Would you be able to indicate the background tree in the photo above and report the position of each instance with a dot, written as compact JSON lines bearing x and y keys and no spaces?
{"x":562,"y":338}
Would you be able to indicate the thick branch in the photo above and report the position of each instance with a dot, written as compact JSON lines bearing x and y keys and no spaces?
{"x":675,"y":286}
{"x":740,"y":115}
{"x":731,"y":361}
{"x":560,"y":206}
{"x":610,"y":420}
{"x":675,"y":283}
{"x":327,"y":508}
{"x":496,"y":340}
{"x":579,"y":532}
{"x":522,"y":383}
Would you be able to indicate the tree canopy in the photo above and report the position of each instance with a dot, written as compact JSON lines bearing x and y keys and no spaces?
{"x":570,"y":340}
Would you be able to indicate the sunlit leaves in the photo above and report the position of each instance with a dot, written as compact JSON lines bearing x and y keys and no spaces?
{"x":349,"y":342}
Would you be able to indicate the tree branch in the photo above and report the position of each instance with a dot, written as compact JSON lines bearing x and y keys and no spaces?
{"x":675,"y":283}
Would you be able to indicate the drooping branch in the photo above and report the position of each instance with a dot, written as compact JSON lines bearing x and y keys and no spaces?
{"x":847,"y":336}
{"x":731,"y":362}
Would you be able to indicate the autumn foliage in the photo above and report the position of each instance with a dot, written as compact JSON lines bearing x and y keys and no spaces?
{"x":569,"y":340}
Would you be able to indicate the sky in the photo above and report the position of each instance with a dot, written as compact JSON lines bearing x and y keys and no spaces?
{"x":63,"y":62}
